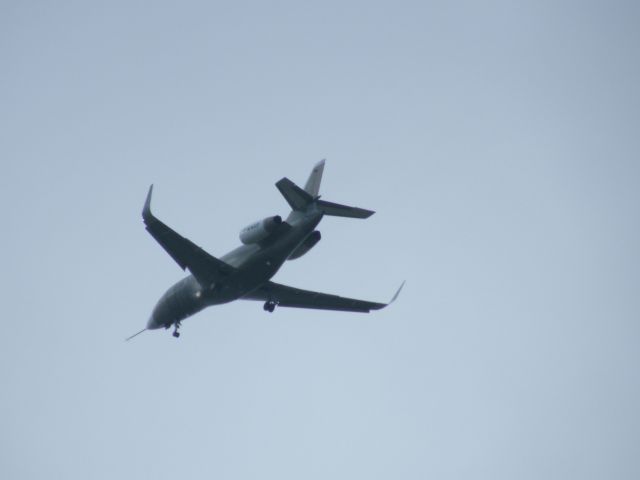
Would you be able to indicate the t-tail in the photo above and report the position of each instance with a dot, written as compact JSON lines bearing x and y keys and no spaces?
{"x":301,"y":199}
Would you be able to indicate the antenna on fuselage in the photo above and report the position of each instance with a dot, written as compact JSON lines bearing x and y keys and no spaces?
{"x":135,"y":334}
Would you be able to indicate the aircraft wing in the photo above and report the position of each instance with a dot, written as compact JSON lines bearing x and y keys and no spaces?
{"x":285,"y":296}
{"x":206,"y":268}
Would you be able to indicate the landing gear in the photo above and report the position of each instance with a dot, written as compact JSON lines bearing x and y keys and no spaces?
{"x":269,"y":306}
{"x":176,"y":333}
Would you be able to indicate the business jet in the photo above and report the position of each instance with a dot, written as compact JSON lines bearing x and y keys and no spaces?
{"x":245,"y":273}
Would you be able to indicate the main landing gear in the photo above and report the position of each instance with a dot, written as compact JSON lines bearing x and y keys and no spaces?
{"x":176,"y":333}
{"x":269,"y":306}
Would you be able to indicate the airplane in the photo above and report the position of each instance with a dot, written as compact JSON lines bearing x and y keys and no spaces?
{"x":245,"y":273}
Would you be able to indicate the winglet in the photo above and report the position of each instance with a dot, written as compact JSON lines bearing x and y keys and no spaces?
{"x":146,"y":211}
{"x":380,"y":306}
{"x":397,"y":293}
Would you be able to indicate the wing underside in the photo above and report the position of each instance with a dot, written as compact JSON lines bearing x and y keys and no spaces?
{"x":206,"y":268}
{"x":285,"y":296}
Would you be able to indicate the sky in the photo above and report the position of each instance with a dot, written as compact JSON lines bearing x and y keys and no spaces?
{"x":498,"y":143}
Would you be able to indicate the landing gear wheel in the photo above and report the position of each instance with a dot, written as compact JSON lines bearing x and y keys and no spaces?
{"x":269,"y":306}
{"x":176,"y":333}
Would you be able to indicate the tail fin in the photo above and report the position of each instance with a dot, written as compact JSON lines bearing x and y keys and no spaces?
{"x":312,"y":186}
{"x":296,"y":197}
{"x":300,"y":199}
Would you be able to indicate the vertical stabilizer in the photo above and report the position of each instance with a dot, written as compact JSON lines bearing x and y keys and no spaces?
{"x":300,"y":199}
{"x":312,"y":187}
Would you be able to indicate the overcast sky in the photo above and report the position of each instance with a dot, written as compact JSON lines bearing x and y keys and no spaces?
{"x":498,"y":143}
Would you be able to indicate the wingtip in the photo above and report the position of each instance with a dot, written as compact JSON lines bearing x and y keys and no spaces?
{"x":146,"y":210}
{"x":380,"y":306}
{"x":395,"y":297}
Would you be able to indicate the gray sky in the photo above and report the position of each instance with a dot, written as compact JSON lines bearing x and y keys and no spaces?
{"x":498,"y":143}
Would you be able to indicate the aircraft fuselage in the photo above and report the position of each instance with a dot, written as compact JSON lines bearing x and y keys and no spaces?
{"x":255,"y":264}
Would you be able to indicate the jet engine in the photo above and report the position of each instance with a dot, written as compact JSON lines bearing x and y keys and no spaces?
{"x":307,"y":245}
{"x":256,"y":232}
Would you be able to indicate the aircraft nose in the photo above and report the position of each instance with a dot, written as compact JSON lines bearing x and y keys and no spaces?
{"x":162,"y":315}
{"x":154,"y":323}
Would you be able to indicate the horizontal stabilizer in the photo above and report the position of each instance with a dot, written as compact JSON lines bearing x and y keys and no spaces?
{"x":337,"y":210}
{"x":293,"y":194}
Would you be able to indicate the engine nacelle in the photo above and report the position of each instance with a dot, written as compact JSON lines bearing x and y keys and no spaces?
{"x":256,"y":232}
{"x":307,"y":245}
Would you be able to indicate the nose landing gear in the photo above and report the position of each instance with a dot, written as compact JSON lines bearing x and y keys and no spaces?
{"x":176,"y":333}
